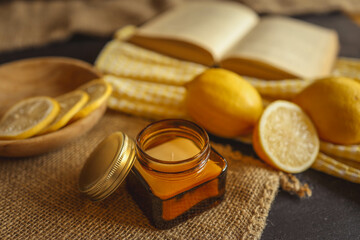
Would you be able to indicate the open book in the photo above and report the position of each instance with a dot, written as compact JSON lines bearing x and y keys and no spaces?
{"x":233,"y":36}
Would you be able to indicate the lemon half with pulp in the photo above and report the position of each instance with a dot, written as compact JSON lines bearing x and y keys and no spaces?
{"x":286,"y":138}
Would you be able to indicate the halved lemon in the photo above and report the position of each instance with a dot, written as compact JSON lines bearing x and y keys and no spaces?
{"x":70,"y":104}
{"x":98,"y":91}
{"x":28,"y":117}
{"x":286,"y":138}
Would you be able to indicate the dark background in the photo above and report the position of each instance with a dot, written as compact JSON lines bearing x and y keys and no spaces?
{"x":333,"y":212}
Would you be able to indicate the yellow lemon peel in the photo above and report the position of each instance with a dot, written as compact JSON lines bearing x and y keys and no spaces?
{"x":333,"y":104}
{"x":223,"y":103}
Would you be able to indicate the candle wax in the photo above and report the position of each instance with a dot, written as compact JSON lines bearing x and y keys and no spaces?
{"x":174,"y":150}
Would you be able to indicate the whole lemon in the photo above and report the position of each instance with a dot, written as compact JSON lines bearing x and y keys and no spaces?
{"x":334,"y":106}
{"x":223,"y":102}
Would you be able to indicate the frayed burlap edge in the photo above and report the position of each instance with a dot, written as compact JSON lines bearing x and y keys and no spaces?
{"x":288,"y":182}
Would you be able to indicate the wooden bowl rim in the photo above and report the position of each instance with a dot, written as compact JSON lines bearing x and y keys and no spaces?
{"x":80,"y":127}
{"x":66,"y":60}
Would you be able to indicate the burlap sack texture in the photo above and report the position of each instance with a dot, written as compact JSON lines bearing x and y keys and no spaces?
{"x":39,"y":198}
{"x":25,"y":23}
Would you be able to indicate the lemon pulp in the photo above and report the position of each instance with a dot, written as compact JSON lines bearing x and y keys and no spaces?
{"x":28,"y":117}
{"x":70,"y":104}
{"x":286,"y":138}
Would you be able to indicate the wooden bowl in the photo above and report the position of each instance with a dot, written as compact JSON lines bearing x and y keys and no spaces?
{"x":48,"y":76}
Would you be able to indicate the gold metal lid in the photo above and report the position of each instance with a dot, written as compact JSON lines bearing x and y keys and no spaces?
{"x":107,"y":166}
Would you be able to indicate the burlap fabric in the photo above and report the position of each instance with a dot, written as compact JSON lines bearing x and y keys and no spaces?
{"x":27,"y":23}
{"x":39,"y":198}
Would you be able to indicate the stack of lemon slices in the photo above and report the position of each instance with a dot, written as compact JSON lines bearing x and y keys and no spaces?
{"x":42,"y":114}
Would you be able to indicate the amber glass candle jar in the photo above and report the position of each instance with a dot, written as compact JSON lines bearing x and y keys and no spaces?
{"x":171,"y":171}
{"x":177,"y":174}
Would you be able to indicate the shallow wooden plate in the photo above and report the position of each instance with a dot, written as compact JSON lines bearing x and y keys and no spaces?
{"x":49,"y":76}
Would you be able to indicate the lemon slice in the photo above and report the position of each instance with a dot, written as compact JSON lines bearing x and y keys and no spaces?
{"x":70,"y":104}
{"x":28,"y":117}
{"x":98,"y":91}
{"x":286,"y":138}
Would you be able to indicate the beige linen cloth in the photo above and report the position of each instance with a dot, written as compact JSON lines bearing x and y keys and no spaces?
{"x":32,"y":23}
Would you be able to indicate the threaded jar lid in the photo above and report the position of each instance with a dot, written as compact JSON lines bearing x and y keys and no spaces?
{"x":107,"y":166}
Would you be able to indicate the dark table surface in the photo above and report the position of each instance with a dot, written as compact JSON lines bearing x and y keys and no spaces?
{"x":333,"y":212}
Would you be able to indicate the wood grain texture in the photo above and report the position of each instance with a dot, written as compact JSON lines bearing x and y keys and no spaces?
{"x":49,"y":76}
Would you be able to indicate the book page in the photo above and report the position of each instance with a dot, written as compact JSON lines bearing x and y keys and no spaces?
{"x":214,"y":26}
{"x":289,"y":46}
